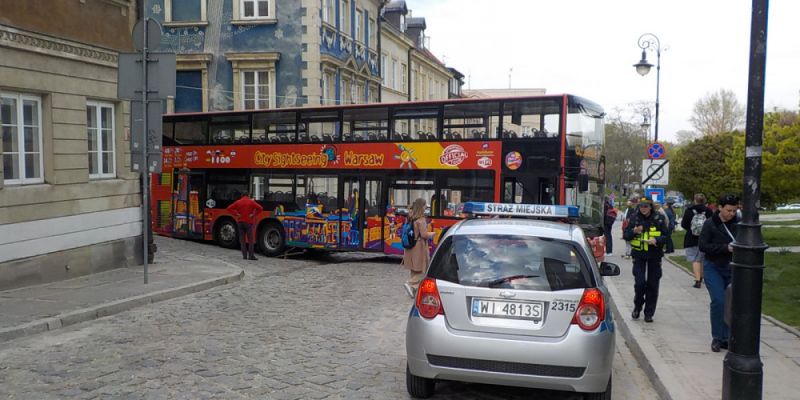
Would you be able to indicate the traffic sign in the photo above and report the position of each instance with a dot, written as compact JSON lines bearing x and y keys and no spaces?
{"x":656,"y":151}
{"x":655,"y":194}
{"x":655,"y":172}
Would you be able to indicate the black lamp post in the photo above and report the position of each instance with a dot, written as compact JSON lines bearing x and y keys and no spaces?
{"x":648,"y":41}
{"x":743,"y":371}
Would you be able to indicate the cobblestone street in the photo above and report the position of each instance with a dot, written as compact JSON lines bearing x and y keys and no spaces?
{"x":320,"y":326}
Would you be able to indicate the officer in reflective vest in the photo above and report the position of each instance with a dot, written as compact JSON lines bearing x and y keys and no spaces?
{"x":647,"y":232}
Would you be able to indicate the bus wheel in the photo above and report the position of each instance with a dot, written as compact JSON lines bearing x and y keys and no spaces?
{"x":271,"y":240}
{"x":226,"y":233}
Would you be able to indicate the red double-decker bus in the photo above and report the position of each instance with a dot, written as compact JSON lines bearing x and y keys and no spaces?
{"x":342,"y":177}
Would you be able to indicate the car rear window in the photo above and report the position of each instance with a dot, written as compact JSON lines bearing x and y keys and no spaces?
{"x":516,"y":262}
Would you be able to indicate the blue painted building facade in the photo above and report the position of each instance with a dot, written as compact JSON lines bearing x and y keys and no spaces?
{"x":242,"y":54}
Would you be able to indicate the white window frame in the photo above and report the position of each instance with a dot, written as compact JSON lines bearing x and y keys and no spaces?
{"x":373,"y":41}
{"x":328,"y":11}
{"x":270,"y":88}
{"x":20,"y":150}
{"x":345,"y":17}
{"x":168,"y":14}
{"x":256,"y":15}
{"x":395,"y":76}
{"x":102,"y":147}
{"x":384,"y":72}
{"x":359,"y":25}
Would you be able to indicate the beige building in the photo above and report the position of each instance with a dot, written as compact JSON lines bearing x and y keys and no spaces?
{"x":69,"y":204}
{"x":395,"y":50}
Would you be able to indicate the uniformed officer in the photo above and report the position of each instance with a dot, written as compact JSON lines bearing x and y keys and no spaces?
{"x":647,"y":232}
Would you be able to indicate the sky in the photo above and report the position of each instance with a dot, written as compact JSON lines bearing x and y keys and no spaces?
{"x":588,"y":48}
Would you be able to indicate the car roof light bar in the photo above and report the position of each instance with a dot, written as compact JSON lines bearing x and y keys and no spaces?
{"x":538,"y":211}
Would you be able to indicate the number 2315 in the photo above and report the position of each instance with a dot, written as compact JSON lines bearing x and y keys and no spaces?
{"x":562,"y":306}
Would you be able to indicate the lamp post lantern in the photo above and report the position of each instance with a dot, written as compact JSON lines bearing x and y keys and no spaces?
{"x":649,"y":41}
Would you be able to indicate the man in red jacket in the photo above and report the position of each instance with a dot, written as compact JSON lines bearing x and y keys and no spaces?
{"x":245,"y":210}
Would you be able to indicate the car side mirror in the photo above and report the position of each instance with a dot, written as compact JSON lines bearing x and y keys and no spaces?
{"x":609,"y":269}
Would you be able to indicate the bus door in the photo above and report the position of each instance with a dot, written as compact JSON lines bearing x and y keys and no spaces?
{"x":361,"y":214}
{"x":188,"y":203}
{"x":528,"y":189}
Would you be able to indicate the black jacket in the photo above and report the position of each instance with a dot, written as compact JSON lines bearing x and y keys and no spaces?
{"x":655,"y":219}
{"x":714,"y":239}
{"x":690,"y":240}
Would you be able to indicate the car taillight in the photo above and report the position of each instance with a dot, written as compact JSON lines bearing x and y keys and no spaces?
{"x":591,"y":310}
{"x":429,"y":303}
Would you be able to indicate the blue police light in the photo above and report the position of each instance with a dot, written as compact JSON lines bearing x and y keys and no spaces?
{"x":541,"y":211}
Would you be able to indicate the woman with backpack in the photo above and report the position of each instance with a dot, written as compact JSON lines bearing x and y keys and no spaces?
{"x":692,"y":223}
{"x":416,"y":258}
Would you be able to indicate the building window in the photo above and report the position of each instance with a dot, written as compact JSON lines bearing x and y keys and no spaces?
{"x":184,"y":12}
{"x":253,"y":79}
{"x":404,"y":74}
{"x":394,"y":74}
{"x":255,"y":89}
{"x":188,"y":91}
{"x":252,"y":9}
{"x":373,"y":41}
{"x":100,"y":131}
{"x":21,"y":124}
{"x":384,"y":62}
{"x":360,"y":25}
{"x":328,"y":10}
{"x":345,"y":14}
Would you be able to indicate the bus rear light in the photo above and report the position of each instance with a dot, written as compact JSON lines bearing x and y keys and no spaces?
{"x":428,"y":301}
{"x":591,"y":310}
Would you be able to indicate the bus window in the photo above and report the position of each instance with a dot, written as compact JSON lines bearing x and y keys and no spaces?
{"x":224,"y":189}
{"x":470,"y":120}
{"x":415,"y":124}
{"x":528,"y":119}
{"x":279,"y":126}
{"x":403,"y":192}
{"x":230,"y":130}
{"x":318,"y":190}
{"x":319,"y":126}
{"x":192,"y":132}
{"x":367,"y":124}
{"x":168,"y":134}
{"x":472,"y":186}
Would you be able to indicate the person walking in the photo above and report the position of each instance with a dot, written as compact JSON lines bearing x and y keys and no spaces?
{"x":692,"y":222}
{"x":610,"y":216}
{"x":670,"y":225}
{"x":416,"y":259}
{"x":630,"y":211}
{"x":647,"y":234}
{"x":245,"y":210}
{"x":718,"y":233}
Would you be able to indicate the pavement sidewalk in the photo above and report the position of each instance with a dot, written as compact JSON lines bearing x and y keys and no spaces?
{"x":675,"y":350}
{"x":34,"y":309}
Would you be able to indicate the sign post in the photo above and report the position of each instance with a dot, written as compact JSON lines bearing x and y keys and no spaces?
{"x":139,"y":76}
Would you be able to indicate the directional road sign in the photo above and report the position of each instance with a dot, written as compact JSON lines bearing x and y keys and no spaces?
{"x":655,"y":194}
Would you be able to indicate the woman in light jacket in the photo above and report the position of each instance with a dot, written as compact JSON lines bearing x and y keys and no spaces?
{"x":417,"y":258}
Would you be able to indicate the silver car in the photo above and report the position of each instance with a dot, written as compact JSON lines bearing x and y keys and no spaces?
{"x":515,"y":302}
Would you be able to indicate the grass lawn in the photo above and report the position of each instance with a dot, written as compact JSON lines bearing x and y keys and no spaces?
{"x":780,"y":297}
{"x":790,"y":222}
{"x":774,"y":236}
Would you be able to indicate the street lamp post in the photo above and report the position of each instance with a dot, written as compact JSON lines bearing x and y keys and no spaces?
{"x":649,"y":41}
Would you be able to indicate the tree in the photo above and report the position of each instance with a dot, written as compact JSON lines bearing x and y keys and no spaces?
{"x":625,"y":148}
{"x":684,"y":136}
{"x":702,"y":166}
{"x":780,"y":158}
{"x":717,"y":113}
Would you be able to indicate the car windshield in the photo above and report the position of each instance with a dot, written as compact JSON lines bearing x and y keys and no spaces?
{"x":516,"y":262}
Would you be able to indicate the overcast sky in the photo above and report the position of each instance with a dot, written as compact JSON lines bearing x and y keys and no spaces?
{"x":588,"y":48}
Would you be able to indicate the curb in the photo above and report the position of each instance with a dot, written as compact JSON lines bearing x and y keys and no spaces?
{"x":111,"y":308}
{"x":769,"y":318}
{"x":636,"y":348}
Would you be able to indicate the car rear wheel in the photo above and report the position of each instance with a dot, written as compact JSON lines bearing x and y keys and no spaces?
{"x":417,"y":386}
{"x":226,"y":233}
{"x":600,"y":396}
{"x":271,"y":239}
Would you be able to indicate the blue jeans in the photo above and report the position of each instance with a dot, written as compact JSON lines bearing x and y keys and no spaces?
{"x":717,"y":278}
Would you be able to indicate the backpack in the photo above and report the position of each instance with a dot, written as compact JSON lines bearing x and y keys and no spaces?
{"x":698,"y":220}
{"x":407,"y":236}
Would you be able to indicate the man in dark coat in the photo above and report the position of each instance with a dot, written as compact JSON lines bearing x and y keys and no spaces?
{"x":692,"y":251}
{"x":647,"y":232}
{"x":716,"y":238}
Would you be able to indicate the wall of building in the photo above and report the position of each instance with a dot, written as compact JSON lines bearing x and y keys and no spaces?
{"x":395,"y":48}
{"x":69,"y":224}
